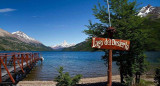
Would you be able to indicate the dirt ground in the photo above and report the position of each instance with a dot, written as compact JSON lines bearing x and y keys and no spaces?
{"x":83,"y":81}
{"x":97,"y":81}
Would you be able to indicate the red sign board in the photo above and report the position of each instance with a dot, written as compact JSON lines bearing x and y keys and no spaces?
{"x":113,"y":44}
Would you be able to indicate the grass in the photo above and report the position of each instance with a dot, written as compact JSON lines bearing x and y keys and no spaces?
{"x":145,"y":83}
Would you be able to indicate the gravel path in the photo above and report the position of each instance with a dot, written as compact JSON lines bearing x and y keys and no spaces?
{"x":98,"y":81}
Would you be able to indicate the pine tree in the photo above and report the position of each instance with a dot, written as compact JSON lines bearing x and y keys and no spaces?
{"x":152,"y":29}
{"x":64,"y":79}
{"x":131,"y":63}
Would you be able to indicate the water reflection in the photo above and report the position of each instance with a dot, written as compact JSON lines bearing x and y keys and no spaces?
{"x":89,"y":64}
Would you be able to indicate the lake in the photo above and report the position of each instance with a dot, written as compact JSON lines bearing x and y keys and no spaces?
{"x":89,"y":64}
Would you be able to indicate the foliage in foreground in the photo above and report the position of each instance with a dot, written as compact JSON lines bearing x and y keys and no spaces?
{"x":132,"y":64}
{"x":157,"y":76}
{"x":64,"y":79}
{"x":152,"y":29}
{"x":144,"y":83}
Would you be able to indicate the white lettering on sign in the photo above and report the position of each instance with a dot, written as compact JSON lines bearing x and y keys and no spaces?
{"x":107,"y":42}
{"x":120,"y":44}
{"x":98,"y":43}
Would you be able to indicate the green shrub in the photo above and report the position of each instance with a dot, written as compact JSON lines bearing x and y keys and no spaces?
{"x":142,"y":83}
{"x":157,"y":76}
{"x":64,"y":79}
{"x":145,"y":83}
{"x":128,"y":81}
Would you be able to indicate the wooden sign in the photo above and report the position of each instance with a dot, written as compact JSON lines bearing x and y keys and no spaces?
{"x":113,"y":44}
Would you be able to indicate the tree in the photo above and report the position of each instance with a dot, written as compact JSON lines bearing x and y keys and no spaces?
{"x":64,"y":79}
{"x":157,"y":76}
{"x":152,"y":28}
{"x":131,"y":63}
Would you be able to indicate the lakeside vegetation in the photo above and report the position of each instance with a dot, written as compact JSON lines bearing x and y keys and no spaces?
{"x":150,"y":28}
{"x":64,"y":79}
{"x":141,"y":31}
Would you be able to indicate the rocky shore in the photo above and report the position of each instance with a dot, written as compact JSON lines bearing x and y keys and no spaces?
{"x":83,"y":82}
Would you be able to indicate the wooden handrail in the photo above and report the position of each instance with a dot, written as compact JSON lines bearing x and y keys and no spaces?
{"x":17,"y":58}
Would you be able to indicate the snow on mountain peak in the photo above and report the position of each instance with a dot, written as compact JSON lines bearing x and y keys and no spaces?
{"x":24,"y":37}
{"x":62,"y":45}
{"x":145,"y":10}
{"x":65,"y":43}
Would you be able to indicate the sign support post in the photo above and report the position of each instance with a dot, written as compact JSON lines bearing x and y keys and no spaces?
{"x":110,"y":68}
{"x":110,"y":44}
{"x":110,"y":34}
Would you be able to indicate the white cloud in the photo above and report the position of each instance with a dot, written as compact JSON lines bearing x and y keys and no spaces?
{"x":6,"y":10}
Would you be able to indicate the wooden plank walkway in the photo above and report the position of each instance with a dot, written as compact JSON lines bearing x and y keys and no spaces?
{"x":15,"y":66}
{"x":11,"y":69}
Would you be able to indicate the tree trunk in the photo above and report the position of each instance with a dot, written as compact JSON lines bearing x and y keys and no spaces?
{"x":121,"y":72}
{"x":137,"y":77}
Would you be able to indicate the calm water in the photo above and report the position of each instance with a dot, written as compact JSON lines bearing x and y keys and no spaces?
{"x":89,"y":64}
{"x":153,"y":56}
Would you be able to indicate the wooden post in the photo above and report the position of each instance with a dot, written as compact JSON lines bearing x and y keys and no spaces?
{"x":5,"y":59}
{"x":110,"y":68}
{"x":20,"y":65}
{"x":26,"y":59}
{"x":0,"y":71}
{"x":32,"y":57}
{"x":22,"y":60}
{"x":110,"y":30}
{"x":14,"y":63}
{"x":12,"y":79}
{"x":35,"y":57}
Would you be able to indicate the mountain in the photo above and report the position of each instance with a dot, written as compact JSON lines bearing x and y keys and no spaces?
{"x":149,"y":10}
{"x":25,"y":38}
{"x":4,"y":33}
{"x":62,"y":45}
{"x":17,"y":42}
{"x":83,"y":46}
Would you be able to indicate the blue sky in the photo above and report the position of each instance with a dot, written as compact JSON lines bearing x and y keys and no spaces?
{"x":51,"y":21}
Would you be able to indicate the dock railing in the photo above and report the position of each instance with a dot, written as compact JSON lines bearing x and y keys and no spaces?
{"x":11,"y":63}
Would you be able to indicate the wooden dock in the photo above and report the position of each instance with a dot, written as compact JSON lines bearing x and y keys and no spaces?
{"x":15,"y":66}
